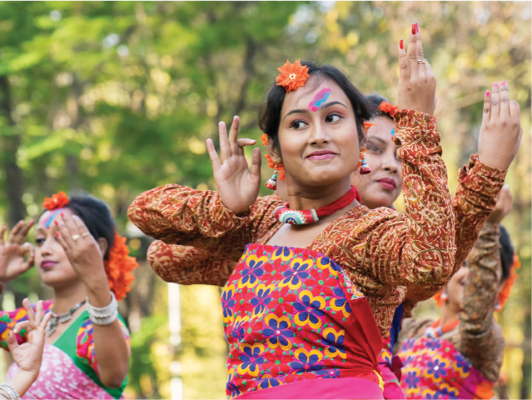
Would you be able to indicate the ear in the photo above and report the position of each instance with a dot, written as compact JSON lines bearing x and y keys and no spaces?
{"x":102,"y":242}
{"x":274,"y":153}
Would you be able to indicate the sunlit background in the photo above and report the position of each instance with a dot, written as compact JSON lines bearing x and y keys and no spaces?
{"x":114,"y":98}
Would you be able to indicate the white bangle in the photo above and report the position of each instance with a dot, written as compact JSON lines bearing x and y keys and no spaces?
{"x":10,"y":390}
{"x":103,"y":315}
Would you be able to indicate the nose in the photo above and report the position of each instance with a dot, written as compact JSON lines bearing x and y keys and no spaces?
{"x":391,"y":164}
{"x":46,"y":247}
{"x":318,"y":135}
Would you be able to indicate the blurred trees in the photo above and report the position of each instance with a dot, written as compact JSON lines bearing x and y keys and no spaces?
{"x":114,"y":98}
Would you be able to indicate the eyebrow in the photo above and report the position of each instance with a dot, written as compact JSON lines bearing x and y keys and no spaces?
{"x":332,"y":103}
{"x":377,"y":138}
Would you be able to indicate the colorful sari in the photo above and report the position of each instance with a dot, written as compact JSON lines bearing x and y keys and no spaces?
{"x":69,"y":367}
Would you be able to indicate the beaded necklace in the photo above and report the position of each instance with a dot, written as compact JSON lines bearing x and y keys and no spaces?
{"x":57,"y":319}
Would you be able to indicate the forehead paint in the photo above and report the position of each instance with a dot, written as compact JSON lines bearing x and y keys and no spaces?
{"x":51,"y":218}
{"x":392,"y":131}
{"x":319,"y":99}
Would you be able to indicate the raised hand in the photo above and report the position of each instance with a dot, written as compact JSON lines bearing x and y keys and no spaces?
{"x":417,"y":84}
{"x":503,"y":207}
{"x":82,"y":250}
{"x":237,"y":185}
{"x":28,"y":355}
{"x":500,"y":133}
{"x":13,"y":252}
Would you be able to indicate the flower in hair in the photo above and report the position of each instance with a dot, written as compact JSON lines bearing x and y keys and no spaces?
{"x":292,"y":76}
{"x":58,"y":200}
{"x":368,"y":125}
{"x":119,"y":267}
{"x":388,"y":108}
{"x":507,"y":288}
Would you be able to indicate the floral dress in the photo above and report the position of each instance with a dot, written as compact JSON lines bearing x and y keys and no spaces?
{"x":380,"y":253}
{"x":462,"y":362}
{"x":69,"y":368}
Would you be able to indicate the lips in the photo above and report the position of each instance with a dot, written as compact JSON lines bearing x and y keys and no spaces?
{"x":387,"y":183}
{"x":47,"y":264}
{"x":321,"y":155}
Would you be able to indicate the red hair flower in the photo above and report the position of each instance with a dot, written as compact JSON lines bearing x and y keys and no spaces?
{"x":388,"y":108}
{"x":58,"y":200}
{"x":292,"y":76}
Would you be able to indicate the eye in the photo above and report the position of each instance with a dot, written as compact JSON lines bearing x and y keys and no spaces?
{"x":333,"y":118}
{"x":374,"y":148}
{"x":297,"y":124}
{"x":39,"y":241}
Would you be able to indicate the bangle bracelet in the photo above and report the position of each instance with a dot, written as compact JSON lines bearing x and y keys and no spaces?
{"x":10,"y":390}
{"x":103,"y":315}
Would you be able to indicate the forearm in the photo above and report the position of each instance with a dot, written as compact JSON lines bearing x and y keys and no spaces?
{"x":21,"y":382}
{"x":112,"y":353}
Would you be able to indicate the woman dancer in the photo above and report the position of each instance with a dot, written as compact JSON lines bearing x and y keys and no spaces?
{"x":292,"y":302}
{"x":460,"y":354}
{"x":80,"y":255}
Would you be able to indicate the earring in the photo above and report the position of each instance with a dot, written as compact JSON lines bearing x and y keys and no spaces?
{"x":498,"y":305}
{"x":364,"y":167}
{"x":272,"y":182}
{"x":444,"y":294}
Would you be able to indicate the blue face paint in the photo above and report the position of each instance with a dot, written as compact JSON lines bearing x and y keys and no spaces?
{"x":51,"y":218}
{"x":393,"y":131}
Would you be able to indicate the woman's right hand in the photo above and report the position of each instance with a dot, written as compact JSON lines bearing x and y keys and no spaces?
{"x":238,"y":187}
{"x":13,"y":252}
{"x":417,"y":83}
{"x":503,"y":207}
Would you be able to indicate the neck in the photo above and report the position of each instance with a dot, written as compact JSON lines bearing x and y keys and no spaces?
{"x":307,"y":197}
{"x":448,"y":313}
{"x":68,"y":296}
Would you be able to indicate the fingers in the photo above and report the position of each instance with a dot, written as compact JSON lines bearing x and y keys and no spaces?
{"x":215,"y":160}
{"x":70,"y":224}
{"x":419,"y":50}
{"x":44,"y":322}
{"x":225,"y":149}
{"x":14,"y":232}
{"x":80,"y":225}
{"x":12,"y":342}
{"x":38,"y":314}
{"x":22,"y":325}
{"x":24,"y":231}
{"x":29,"y":310}
{"x":28,"y":248}
{"x":505,"y":100}
{"x":60,"y":238}
{"x":486,"y":114}
{"x":404,"y":72}
{"x":411,"y":51}
{"x":246,"y":142}
{"x":255,"y":163}
{"x":495,"y":100}
{"x":515,"y":110}
{"x":3,"y":235}
{"x":233,"y":135}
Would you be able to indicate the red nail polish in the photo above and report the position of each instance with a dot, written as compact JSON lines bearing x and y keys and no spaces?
{"x":503,"y":83}
{"x":495,"y":85}
{"x":401,"y":44}
{"x":62,"y":215}
{"x":56,"y":223}
{"x":413,"y":29}
{"x":487,"y":93}
{"x":57,"y":234}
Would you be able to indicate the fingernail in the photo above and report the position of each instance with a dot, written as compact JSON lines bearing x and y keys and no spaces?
{"x":57,"y":234}
{"x":56,"y":223}
{"x":503,"y":83}
{"x":62,"y":215}
{"x":496,"y":85}
{"x":401,"y":44}
{"x":413,"y":29}
{"x":487,"y":93}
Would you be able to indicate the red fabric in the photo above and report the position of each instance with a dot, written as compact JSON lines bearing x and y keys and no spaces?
{"x":342,"y":202}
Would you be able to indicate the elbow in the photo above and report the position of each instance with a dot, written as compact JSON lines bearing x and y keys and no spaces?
{"x":114,"y":381}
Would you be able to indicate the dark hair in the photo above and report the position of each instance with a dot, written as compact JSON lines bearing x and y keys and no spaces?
{"x":96,"y":216}
{"x":507,"y":253}
{"x":375,"y":101}
{"x":270,"y":113}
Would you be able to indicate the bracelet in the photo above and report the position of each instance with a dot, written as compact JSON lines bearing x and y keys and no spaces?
{"x":103,"y":315}
{"x":10,"y":390}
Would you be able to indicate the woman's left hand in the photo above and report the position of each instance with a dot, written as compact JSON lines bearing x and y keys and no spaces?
{"x":82,"y":250}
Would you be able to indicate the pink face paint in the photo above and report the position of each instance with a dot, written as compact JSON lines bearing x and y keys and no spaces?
{"x":319,"y":99}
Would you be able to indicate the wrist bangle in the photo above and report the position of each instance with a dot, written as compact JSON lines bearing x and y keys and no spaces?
{"x":10,"y":390}
{"x":103,"y":315}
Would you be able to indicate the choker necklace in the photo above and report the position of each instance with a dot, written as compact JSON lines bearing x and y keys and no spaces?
{"x":302,"y":217}
{"x":57,"y":319}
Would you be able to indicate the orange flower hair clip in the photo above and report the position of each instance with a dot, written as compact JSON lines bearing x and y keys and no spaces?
{"x":292,"y":76}
{"x":388,"y":108}
{"x":58,"y":200}
{"x":119,"y":267}
{"x":368,"y":125}
{"x":507,"y":288}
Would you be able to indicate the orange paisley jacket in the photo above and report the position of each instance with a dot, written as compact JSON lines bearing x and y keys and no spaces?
{"x":384,"y":252}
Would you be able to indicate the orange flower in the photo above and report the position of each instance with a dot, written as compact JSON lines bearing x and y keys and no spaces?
{"x":58,"y":200}
{"x":368,"y":125}
{"x":119,"y":267}
{"x":292,"y":76}
{"x":439,"y":300}
{"x":264,"y":139}
{"x":507,"y":288}
{"x":388,"y":108}
{"x":278,"y":167}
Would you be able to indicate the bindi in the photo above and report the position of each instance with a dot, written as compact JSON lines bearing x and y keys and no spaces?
{"x":319,"y":99}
